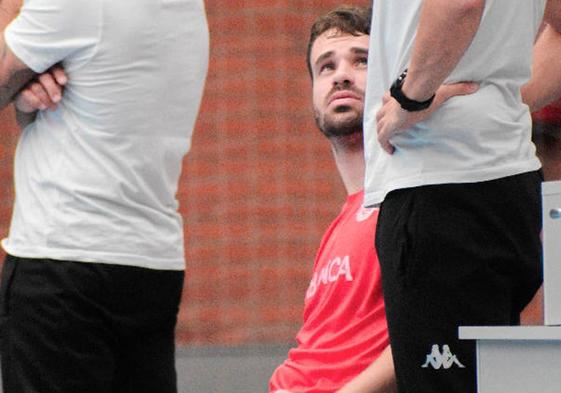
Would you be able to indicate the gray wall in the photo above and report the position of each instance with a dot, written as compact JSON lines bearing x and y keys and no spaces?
{"x":226,"y":370}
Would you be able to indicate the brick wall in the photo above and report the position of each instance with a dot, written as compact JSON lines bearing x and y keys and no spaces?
{"x":259,"y":185}
{"x":8,"y":139}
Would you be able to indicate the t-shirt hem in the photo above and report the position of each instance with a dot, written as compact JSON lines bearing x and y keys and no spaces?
{"x":87,"y":256}
{"x":376,"y":197}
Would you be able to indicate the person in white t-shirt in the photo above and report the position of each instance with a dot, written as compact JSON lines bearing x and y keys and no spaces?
{"x":458,"y":234}
{"x":94,"y":272}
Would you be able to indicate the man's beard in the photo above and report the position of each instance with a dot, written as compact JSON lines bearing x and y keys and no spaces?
{"x":332,"y":127}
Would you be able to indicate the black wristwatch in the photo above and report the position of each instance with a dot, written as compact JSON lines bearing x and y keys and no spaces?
{"x":405,"y":102}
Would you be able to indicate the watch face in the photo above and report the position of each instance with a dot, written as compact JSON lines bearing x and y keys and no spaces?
{"x":399,"y":81}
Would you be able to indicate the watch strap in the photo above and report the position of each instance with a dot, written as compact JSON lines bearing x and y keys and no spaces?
{"x":405,"y":102}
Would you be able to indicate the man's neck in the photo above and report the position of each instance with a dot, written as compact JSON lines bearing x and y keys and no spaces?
{"x":349,"y":158}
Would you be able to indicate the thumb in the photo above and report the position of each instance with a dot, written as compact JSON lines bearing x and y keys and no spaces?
{"x":459,"y":89}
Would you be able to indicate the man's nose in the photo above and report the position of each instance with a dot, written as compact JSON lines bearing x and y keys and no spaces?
{"x":343,"y":75}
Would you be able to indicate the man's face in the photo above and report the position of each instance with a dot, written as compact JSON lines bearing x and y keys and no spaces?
{"x":338,"y":62}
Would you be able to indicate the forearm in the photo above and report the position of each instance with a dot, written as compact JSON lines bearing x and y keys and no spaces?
{"x":9,"y":81}
{"x":379,"y":377}
{"x":545,"y":83}
{"x":24,"y":119}
{"x":446,"y":29}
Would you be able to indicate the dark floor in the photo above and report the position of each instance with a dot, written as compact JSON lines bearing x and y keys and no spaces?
{"x":226,"y":370}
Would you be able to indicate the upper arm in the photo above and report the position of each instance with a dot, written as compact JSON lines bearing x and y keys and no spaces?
{"x":14,"y":74}
{"x":552,"y":14}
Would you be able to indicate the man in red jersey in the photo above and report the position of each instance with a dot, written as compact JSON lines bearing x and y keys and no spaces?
{"x":547,"y":138}
{"x":343,"y":343}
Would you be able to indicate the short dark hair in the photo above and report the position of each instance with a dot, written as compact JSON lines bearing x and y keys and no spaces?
{"x":346,"y":19}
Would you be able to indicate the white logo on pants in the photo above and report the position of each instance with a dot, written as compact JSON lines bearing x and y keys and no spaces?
{"x":443,"y":360}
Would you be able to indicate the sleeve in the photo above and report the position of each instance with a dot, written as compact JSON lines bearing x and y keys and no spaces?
{"x":47,"y":32}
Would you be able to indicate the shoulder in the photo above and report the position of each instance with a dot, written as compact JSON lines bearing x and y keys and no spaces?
{"x":57,"y":10}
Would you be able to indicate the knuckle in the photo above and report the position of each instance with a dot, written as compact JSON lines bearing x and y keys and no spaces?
{"x":36,"y":88}
{"x":31,"y":100}
{"x":27,"y":96}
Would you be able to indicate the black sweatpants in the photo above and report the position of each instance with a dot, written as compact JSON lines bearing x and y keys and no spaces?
{"x":70,"y":327}
{"x":455,"y":255}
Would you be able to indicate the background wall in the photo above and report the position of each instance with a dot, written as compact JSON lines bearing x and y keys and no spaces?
{"x":258,"y":187}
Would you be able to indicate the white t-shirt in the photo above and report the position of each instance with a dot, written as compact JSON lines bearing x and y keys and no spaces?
{"x":472,"y":138}
{"x":96,"y":179}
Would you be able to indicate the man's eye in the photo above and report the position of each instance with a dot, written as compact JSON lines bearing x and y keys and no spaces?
{"x":326,"y":67}
{"x":362,"y":61}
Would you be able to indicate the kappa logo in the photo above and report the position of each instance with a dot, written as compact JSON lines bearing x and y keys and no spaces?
{"x":443,"y":360}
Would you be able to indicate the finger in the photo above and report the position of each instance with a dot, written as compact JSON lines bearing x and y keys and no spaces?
{"x":380,"y":114}
{"x":386,"y":97}
{"x":387,"y":146}
{"x":383,"y":138}
{"x":382,"y":111}
{"x":27,"y":102}
{"x":51,"y":87}
{"x":60,"y":75}
{"x":41,"y":94}
{"x":458,"y":89}
{"x":380,"y":125}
